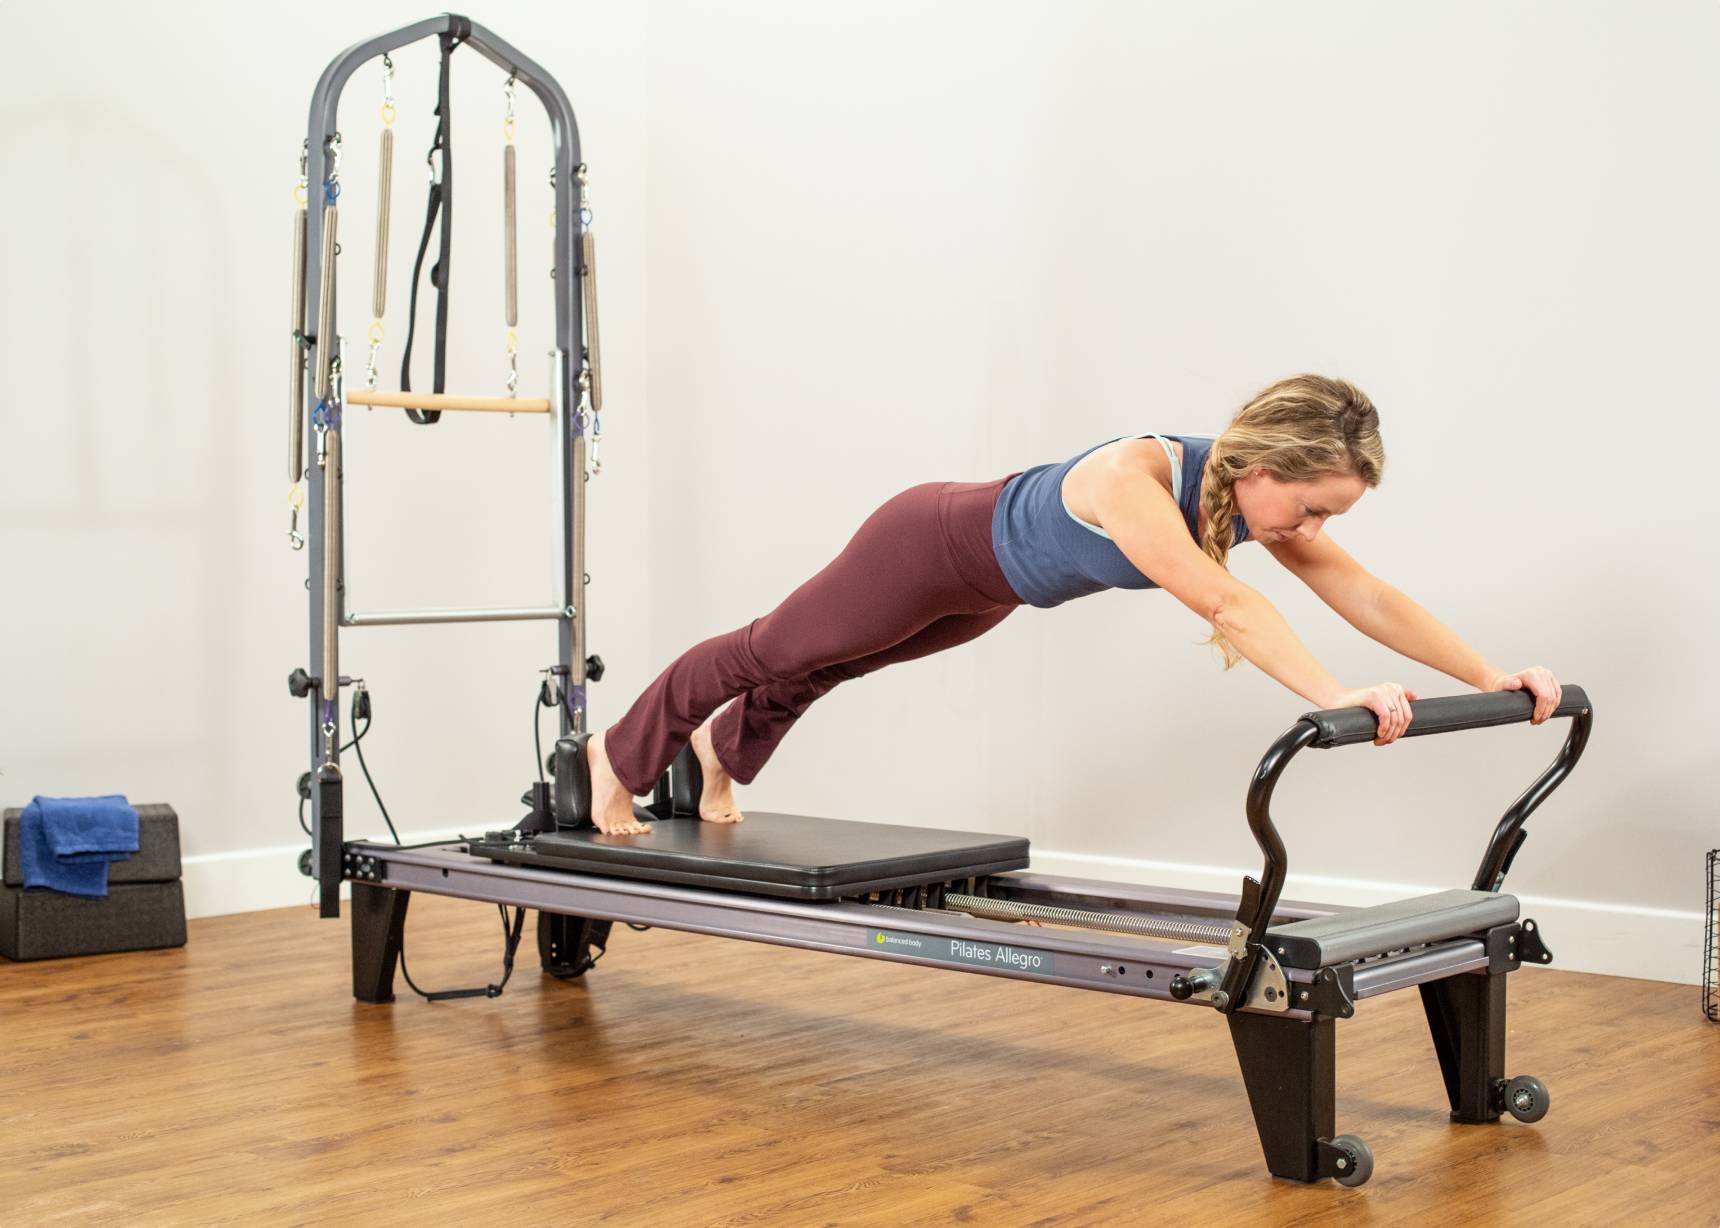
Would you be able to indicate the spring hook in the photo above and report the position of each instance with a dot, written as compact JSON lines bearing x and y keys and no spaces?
{"x":589,"y":418}
{"x":319,"y":426}
{"x":331,"y":186}
{"x":295,"y":500}
{"x":584,"y":196}
{"x":388,"y":111}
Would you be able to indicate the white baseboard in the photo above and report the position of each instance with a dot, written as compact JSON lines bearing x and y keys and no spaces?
{"x":1656,"y":944}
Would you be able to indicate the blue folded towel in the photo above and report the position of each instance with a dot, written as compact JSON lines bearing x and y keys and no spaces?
{"x":66,"y":843}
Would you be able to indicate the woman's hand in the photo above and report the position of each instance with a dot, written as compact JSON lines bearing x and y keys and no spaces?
{"x":1389,"y":702}
{"x":1539,"y":682}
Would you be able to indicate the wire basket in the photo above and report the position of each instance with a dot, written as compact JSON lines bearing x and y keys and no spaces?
{"x":1711,"y":942}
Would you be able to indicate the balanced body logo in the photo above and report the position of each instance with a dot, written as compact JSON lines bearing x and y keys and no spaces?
{"x":972,"y":954}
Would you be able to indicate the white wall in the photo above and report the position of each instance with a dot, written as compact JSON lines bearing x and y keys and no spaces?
{"x":882,"y":245}
{"x":153,"y":607}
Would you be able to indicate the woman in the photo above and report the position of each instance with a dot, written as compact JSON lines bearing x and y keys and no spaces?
{"x":941,"y":563}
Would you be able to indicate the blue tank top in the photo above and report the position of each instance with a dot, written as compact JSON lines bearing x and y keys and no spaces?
{"x":1048,"y":556}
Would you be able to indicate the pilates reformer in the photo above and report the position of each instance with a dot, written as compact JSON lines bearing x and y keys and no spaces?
{"x":1282,"y":973}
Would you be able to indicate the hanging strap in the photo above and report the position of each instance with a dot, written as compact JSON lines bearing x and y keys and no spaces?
{"x":441,"y":202}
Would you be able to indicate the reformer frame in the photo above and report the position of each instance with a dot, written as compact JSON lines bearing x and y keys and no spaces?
{"x":1281,"y":972}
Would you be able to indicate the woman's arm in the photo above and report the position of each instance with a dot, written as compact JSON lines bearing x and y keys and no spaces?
{"x":1148,"y":527}
{"x":1381,"y":612}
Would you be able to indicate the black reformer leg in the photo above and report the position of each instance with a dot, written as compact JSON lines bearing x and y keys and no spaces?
{"x":569,"y":946}
{"x":1290,"y":1069}
{"x":1466,"y":1015}
{"x":378,"y":921}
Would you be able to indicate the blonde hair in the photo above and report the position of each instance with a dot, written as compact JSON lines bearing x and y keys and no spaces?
{"x":1298,"y":430}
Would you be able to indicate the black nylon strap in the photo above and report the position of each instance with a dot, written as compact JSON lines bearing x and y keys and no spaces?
{"x":428,"y":416}
{"x":441,"y":201}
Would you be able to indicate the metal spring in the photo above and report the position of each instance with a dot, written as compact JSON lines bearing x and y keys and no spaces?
{"x":1011,"y":910}
{"x":588,"y":259}
{"x":331,"y":579}
{"x":296,"y":401}
{"x":325,"y":300}
{"x":384,"y":192}
{"x":510,"y":236}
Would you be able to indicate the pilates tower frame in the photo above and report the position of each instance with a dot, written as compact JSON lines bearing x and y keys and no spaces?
{"x":327,"y":585}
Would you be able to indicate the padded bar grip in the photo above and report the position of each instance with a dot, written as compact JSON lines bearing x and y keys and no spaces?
{"x":1446,"y":714}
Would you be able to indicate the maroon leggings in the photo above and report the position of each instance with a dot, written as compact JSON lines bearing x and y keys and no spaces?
{"x":919,"y":576}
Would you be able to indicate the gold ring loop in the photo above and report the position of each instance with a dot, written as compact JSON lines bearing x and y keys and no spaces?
{"x":376,"y":331}
{"x":508,"y":130}
{"x":299,"y":196}
{"x":295,"y":495}
{"x":388,"y":112}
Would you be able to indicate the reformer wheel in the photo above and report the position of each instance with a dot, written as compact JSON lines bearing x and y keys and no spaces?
{"x":1360,"y":1161}
{"x":1526,"y":1098}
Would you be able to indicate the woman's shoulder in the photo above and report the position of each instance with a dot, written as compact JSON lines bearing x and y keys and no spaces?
{"x":1143,"y":452}
{"x":1120,"y":460}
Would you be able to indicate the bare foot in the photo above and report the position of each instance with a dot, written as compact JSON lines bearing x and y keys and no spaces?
{"x":611,"y":803}
{"x":717,"y":801}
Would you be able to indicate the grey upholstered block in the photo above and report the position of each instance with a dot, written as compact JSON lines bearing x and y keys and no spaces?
{"x":43,"y":924}
{"x":156,"y":859}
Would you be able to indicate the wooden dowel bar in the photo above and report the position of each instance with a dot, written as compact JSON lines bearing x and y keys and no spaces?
{"x":446,"y":400}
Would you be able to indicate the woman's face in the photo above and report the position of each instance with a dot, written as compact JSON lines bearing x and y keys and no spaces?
{"x":1278,"y":511}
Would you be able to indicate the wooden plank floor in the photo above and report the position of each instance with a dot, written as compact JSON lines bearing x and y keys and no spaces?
{"x":693,"y":1081}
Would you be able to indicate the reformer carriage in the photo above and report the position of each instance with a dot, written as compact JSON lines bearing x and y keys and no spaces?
{"x":1282,"y":973}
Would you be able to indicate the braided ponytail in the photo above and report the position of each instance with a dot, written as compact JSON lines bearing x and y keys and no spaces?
{"x":1298,"y":430}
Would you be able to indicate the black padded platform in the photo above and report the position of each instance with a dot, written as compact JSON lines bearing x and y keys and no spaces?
{"x":787,"y":855}
{"x":1357,"y":933}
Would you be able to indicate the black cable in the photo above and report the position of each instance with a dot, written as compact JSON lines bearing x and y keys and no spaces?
{"x":510,"y":935}
{"x":510,"y":947}
{"x":538,"y":706}
{"x":436,"y":844}
{"x":358,"y":747}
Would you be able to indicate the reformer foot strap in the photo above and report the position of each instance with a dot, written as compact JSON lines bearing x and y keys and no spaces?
{"x":441,"y":202}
